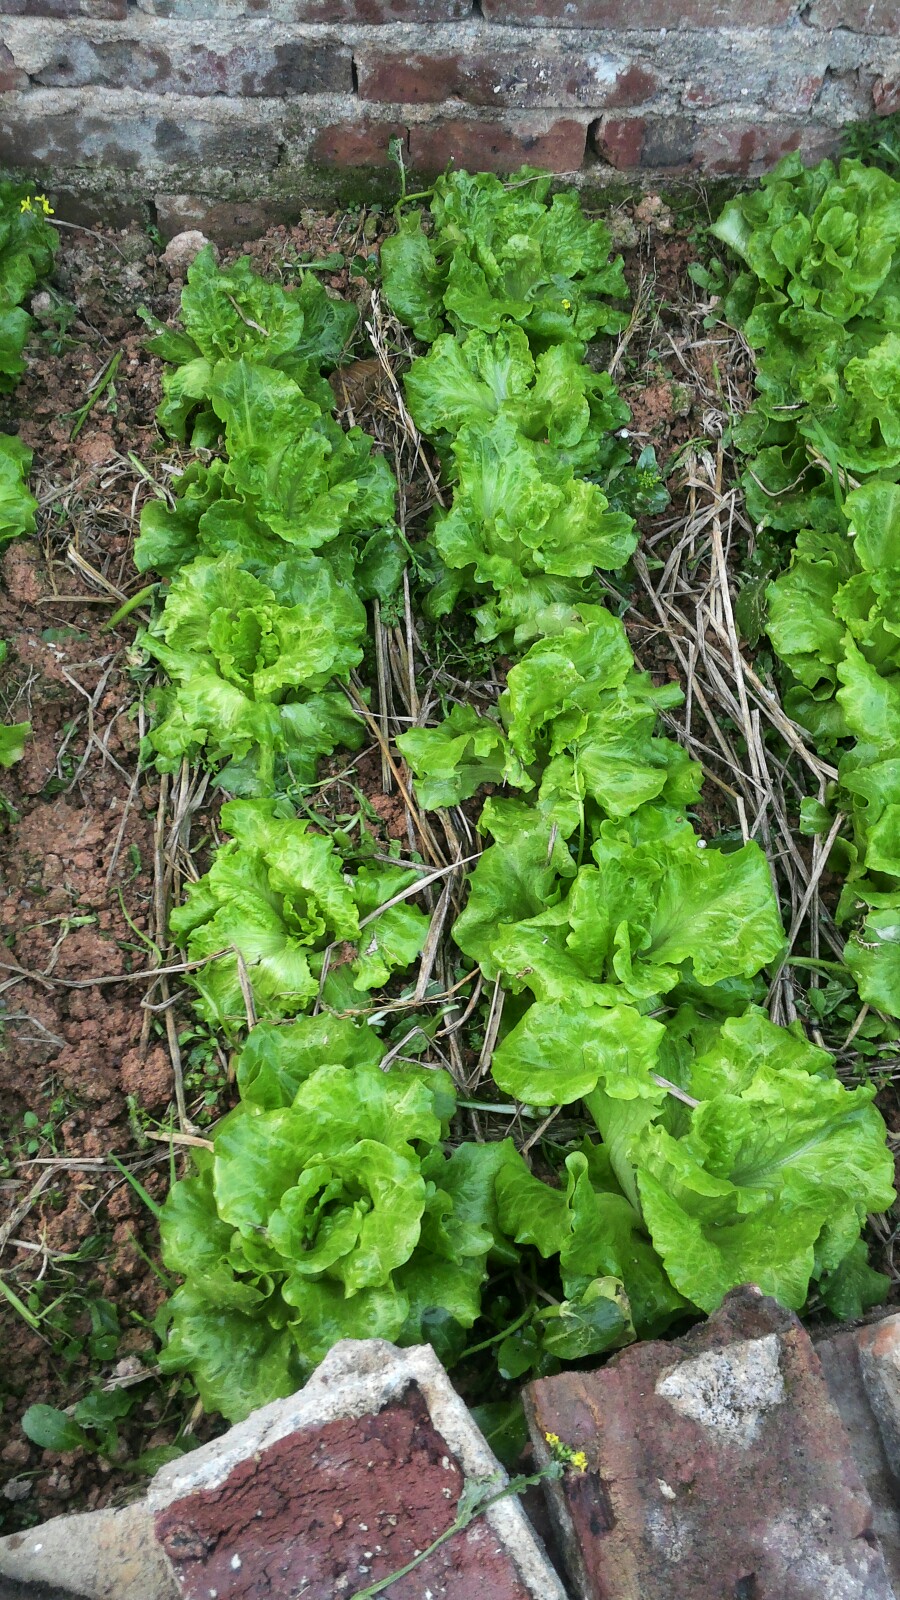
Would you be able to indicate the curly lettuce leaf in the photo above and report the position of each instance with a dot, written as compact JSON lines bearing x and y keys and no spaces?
{"x":17,"y":505}
{"x":656,"y":908}
{"x":276,"y":896}
{"x":555,"y":399}
{"x":247,"y":662}
{"x":334,"y":1217}
{"x":558,"y":1054}
{"x":500,"y":253}
{"x":769,"y":1186}
{"x":277,"y":1058}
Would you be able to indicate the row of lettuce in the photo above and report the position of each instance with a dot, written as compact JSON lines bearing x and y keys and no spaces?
{"x":338,"y":1200}
{"x":818,"y":300}
{"x":27,"y":247}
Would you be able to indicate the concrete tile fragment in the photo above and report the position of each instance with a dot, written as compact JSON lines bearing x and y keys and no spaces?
{"x":335,"y":1488}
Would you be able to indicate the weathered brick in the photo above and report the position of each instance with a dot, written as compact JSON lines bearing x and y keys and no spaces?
{"x":336,"y":1487}
{"x":246,"y":67}
{"x":886,"y":96}
{"x":669,"y":142}
{"x":778,"y":90}
{"x":841,"y":1366}
{"x":717,"y":1469}
{"x":98,"y":10}
{"x":496,"y":146}
{"x":625,"y":14}
{"x":10,"y":75}
{"x":736,"y":147}
{"x":355,"y":144}
{"x":753,"y":147}
{"x":619,"y":141}
{"x":224,"y":221}
{"x":374,"y":12}
{"x":501,"y":78}
{"x":860,"y":16}
{"x":143,"y":141}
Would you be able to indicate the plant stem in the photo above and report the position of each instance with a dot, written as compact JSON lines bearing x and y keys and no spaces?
{"x":463,"y":1518}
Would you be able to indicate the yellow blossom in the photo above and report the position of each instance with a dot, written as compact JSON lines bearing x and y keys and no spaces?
{"x":36,"y":202}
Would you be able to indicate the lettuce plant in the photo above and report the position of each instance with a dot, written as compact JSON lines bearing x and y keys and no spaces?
{"x":526,"y":528}
{"x":275,"y":900}
{"x":292,"y":480}
{"x":333,"y":1215}
{"x":554,"y":399}
{"x":576,"y":721}
{"x":499,"y":252}
{"x":249,"y":664}
{"x":818,"y":302}
{"x":233,"y":314}
{"x":654,"y":908}
{"x":760,"y":1168}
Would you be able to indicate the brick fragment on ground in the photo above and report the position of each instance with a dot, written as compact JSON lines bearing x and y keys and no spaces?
{"x":850,"y":1361}
{"x":718,"y":1469}
{"x":326,"y":1493}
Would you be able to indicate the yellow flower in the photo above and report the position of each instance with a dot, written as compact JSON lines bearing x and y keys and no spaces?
{"x":36,"y":200}
{"x":567,"y":305}
{"x":565,"y":1453}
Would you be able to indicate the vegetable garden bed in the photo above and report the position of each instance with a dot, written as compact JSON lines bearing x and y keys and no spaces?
{"x":420,"y":863}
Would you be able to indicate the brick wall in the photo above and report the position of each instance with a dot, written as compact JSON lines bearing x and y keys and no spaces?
{"x":187,"y":103}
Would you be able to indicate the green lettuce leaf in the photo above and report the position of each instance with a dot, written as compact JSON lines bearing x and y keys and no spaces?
{"x":13,"y":738}
{"x":322,"y":1220}
{"x":500,"y":253}
{"x":248,"y":661}
{"x":17,"y":506}
{"x":276,"y":897}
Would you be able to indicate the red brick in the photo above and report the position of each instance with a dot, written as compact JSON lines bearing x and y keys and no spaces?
{"x":620,"y":141}
{"x":369,"y":11}
{"x":495,"y":146}
{"x":752,"y":147}
{"x":502,"y":78}
{"x":774,"y":91}
{"x":717,"y":1469}
{"x":334,"y":1488}
{"x":886,"y":96}
{"x":356,"y":1498}
{"x":10,"y":76}
{"x":98,"y":10}
{"x":860,"y":16}
{"x":647,"y":14}
{"x":224,"y":221}
{"x":355,"y":144}
{"x":249,"y":68}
